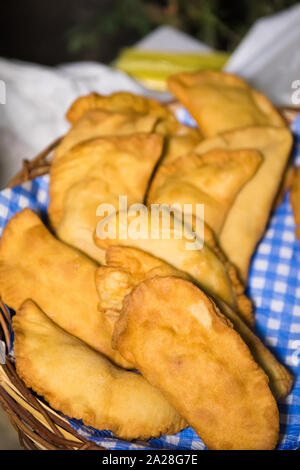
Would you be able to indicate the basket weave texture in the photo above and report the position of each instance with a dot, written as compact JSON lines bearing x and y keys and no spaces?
{"x":38,"y":426}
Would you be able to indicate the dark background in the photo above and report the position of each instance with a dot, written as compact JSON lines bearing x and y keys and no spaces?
{"x":55,"y":31}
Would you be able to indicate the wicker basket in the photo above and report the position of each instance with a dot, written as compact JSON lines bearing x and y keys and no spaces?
{"x":39,"y":427}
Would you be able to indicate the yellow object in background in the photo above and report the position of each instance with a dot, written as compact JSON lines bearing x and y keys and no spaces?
{"x":153,"y":68}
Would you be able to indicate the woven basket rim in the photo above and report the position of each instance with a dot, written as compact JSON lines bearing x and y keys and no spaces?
{"x":37,"y":424}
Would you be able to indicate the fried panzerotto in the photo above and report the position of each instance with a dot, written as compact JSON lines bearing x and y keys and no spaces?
{"x":248,"y":216}
{"x":180,"y":247}
{"x":99,"y":122}
{"x":184,"y":346}
{"x":139,"y":265}
{"x":117,"y":102}
{"x":208,"y":266}
{"x":94,"y":173}
{"x":125,"y":102}
{"x":33,"y":264}
{"x":280,"y":380}
{"x":220,"y":101}
{"x":286,"y":183}
{"x":213,"y":179}
{"x":295,"y":200}
{"x":115,"y":161}
{"x":127,"y":267}
{"x":83,"y":384}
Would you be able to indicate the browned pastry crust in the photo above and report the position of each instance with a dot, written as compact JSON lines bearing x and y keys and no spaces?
{"x":83,"y":384}
{"x":213,"y":179}
{"x":127,"y":267}
{"x":183,"y":345}
{"x":61,"y":280}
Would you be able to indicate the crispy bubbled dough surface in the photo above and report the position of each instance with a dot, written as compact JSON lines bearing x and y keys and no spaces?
{"x":98,"y":172}
{"x":182,"y":248}
{"x":213,"y":179}
{"x":248,"y":216}
{"x":184,"y":346}
{"x":98,"y":123}
{"x":295,"y":200}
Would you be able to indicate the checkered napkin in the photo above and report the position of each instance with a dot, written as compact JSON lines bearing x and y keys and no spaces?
{"x":274,"y":287}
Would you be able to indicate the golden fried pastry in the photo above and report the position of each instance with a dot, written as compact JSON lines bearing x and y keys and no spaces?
{"x":286,"y":183}
{"x":127,"y":267}
{"x":166,"y":122}
{"x":183,"y":345}
{"x":244,"y":304}
{"x":178,"y":145}
{"x":295,"y":200}
{"x":122,"y":101}
{"x":212,"y":179}
{"x":97,"y":172}
{"x":34,"y":265}
{"x":226,"y":284}
{"x":83,"y":384}
{"x":140,"y":264}
{"x":125,"y":113}
{"x":180,"y":247}
{"x":135,"y":261}
{"x":219,"y":101}
{"x":99,"y":122}
{"x":246,"y":220}
{"x":280,"y":380}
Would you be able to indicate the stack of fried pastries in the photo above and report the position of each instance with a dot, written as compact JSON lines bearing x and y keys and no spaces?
{"x":146,"y":334}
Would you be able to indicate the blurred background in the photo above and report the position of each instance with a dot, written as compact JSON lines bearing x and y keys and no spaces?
{"x":85,"y":34}
{"x":52,"y":32}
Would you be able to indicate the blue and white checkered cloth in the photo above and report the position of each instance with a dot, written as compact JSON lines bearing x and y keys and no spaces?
{"x":274,"y":287}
